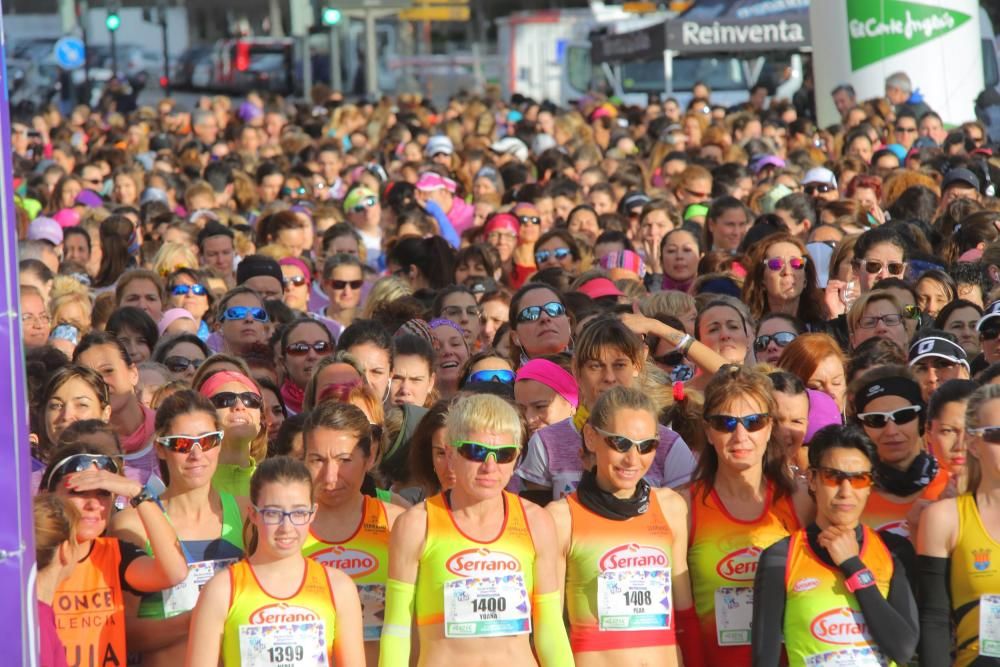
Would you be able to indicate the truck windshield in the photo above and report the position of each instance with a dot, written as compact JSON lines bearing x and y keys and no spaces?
{"x":719,"y":73}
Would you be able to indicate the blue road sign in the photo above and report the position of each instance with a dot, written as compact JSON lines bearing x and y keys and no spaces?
{"x":69,"y":52}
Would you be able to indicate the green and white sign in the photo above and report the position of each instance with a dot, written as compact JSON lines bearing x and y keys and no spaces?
{"x":878,"y":29}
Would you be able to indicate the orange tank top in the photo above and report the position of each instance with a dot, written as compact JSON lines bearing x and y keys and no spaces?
{"x":883,"y":514}
{"x":722,"y":558}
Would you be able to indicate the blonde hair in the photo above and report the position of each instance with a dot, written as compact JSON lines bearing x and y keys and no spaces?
{"x":385,"y":289}
{"x":55,"y":522}
{"x":67,"y":299}
{"x":979,"y":398}
{"x":616,"y":399}
{"x":276,"y":251}
{"x":173,"y":256}
{"x":857,"y":310}
{"x":65,"y":286}
{"x":670,"y":302}
{"x":483,"y":412}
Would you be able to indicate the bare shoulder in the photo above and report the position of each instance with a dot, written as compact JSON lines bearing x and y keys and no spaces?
{"x":339,"y":580}
{"x":392,"y":512}
{"x":558,"y":510}
{"x":217,"y":589}
{"x":410,"y":529}
{"x":536,"y":515}
{"x":938,"y":529}
{"x":672,"y":502}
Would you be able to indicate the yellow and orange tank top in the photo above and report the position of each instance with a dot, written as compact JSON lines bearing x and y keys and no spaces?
{"x":883,"y":514}
{"x":974,"y":572}
{"x":823,"y":620}
{"x":722,"y":557}
{"x":262,"y":629}
{"x":364,"y":556}
{"x":618,"y":579}
{"x":474,"y":588}
{"x":90,"y":610}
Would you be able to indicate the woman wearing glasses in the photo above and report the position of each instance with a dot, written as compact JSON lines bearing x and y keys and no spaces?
{"x":623,"y":546}
{"x":242,"y":322}
{"x":782,"y":279}
{"x":774,"y":332}
{"x":186,"y":290}
{"x":350,"y":531}
{"x":957,"y":545}
{"x":877,"y":314}
{"x":303,"y":343}
{"x":296,"y":281}
{"x":209,"y":524}
{"x":879,"y":253}
{"x":277,"y":606}
{"x":836,"y":591}
{"x":476,"y":565}
{"x":557,"y":248}
{"x":89,"y":605}
{"x":539,"y":323}
{"x":182,"y":354}
{"x":743,"y":500}
{"x":458,"y":304}
{"x":343,"y":281}
{"x":888,"y":403}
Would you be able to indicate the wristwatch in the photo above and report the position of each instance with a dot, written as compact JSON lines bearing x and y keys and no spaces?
{"x":860,"y":579}
{"x":150,"y":491}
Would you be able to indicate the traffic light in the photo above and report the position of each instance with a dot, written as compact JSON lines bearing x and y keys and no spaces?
{"x":113,"y":21}
{"x":330,"y":16}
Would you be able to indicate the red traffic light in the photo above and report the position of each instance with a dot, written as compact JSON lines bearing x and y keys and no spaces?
{"x":164,"y":82}
{"x":242,"y":56}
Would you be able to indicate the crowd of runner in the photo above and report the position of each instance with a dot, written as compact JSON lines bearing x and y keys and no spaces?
{"x":502,"y":383}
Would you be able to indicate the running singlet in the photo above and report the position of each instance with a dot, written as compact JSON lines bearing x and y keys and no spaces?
{"x":618,"y":579}
{"x":476,"y":589}
{"x":974,"y":573}
{"x":823,"y":621}
{"x":205,"y":558}
{"x":722,"y":559}
{"x":365,"y":557}
{"x":882,"y":514}
{"x":264,"y":631}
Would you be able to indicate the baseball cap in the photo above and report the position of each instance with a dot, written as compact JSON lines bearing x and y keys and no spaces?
{"x":959,"y":175}
{"x":258,"y":265}
{"x":511,"y":146}
{"x":992,"y":312}
{"x":935,"y":346}
{"x":759,"y":163}
{"x":819,"y":175}
{"x":356,"y":195}
{"x":438,"y":144}
{"x":599,"y":287}
{"x":45,"y":229}
{"x":88,"y":198}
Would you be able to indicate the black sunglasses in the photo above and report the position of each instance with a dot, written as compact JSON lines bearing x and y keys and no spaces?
{"x":782,"y":338}
{"x":302,"y":348}
{"x":227,"y":399}
{"x":78,"y":463}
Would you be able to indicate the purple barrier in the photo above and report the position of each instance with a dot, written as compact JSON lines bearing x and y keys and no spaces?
{"x":17,"y":548}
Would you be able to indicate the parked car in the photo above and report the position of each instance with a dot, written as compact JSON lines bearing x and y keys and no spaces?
{"x":186,"y":65}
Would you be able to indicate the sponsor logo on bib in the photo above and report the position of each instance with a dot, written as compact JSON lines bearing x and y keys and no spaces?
{"x":277,"y":614}
{"x":476,"y":561}
{"x":634,"y":556}
{"x":807,"y":584}
{"x":352,"y":562}
{"x":842,"y":626}
{"x":739,"y":565}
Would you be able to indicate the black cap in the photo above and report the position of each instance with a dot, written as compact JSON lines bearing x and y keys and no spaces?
{"x":213,"y":228}
{"x":960,"y":175}
{"x":258,"y":265}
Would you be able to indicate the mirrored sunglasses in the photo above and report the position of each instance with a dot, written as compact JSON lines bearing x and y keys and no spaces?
{"x":182,"y":444}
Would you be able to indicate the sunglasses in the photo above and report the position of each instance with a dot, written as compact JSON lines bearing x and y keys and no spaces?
{"x":833,"y":478}
{"x":297,"y":281}
{"x":622,"y":444}
{"x":477,"y":452}
{"x":990,"y":434}
{"x":78,"y":463}
{"x":183,"y":444}
{"x":670,"y":359}
{"x":560,"y":254}
{"x":275,"y":517}
{"x":227,"y":399}
{"x":533,"y":313}
{"x":184,"y":290}
{"x":180,"y":364}
{"x":529,"y":219}
{"x":501,"y":376}
{"x":367,"y":202}
{"x":874,"y":266}
{"x":813,"y":188}
{"x":302,"y":348}
{"x":300,"y":191}
{"x":778,"y":263}
{"x":353,"y":284}
{"x":898,"y":416}
{"x":781,"y":339}
{"x":728,"y":423}
{"x":243,"y":312}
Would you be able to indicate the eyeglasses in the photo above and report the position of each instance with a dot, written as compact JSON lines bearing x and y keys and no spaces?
{"x":293,"y":281}
{"x":243,"y":312}
{"x":367,"y":202}
{"x":833,"y":477}
{"x":451,"y":312}
{"x":354,"y":284}
{"x":622,"y":443}
{"x":184,"y":290}
{"x":891,"y":320}
{"x":821,"y":188}
{"x":227,"y":399}
{"x":302,"y":348}
{"x":477,"y":452}
{"x":874,"y":266}
{"x":179,"y":364}
{"x":560,"y":254}
{"x":728,"y":423}
{"x":781,"y":339}
{"x":880,"y":419}
{"x":990,"y":434}
{"x":529,"y":220}
{"x":778,"y":263}
{"x":183,"y":444}
{"x":501,"y":376}
{"x":34,"y":320}
{"x":275,"y":517}
{"x":533,"y":313}
{"x":78,"y":463}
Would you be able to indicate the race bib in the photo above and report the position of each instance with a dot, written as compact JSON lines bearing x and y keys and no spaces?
{"x":634,"y":600}
{"x":989,"y":626}
{"x":733,"y":615}
{"x":184,"y":596}
{"x":486,"y":607}
{"x":285,"y":645}
{"x":372,"y":609}
{"x":862,"y":656}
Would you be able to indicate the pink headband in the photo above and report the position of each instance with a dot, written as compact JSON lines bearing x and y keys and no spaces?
{"x":430,"y":181}
{"x":216,"y":380}
{"x":506,"y":221}
{"x":299,"y":264}
{"x":552,"y":376}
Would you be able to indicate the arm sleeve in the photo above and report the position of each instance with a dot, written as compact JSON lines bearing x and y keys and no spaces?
{"x":935,"y":611}
{"x":448,"y":232}
{"x":551,"y":641}
{"x":892,"y":621}
{"x":534,"y":467}
{"x":769,"y":605}
{"x":129,"y":552}
{"x":394,"y":647}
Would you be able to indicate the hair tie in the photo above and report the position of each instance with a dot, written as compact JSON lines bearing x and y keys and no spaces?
{"x":679,"y":392}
